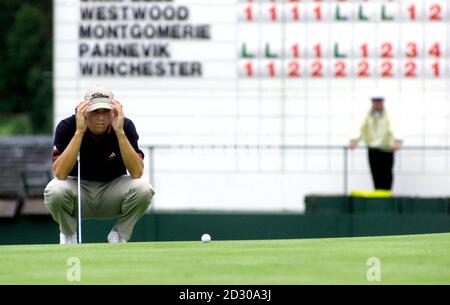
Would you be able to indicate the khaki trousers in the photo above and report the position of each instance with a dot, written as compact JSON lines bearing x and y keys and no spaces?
{"x":124,"y":198}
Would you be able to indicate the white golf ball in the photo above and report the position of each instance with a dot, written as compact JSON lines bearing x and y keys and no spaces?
{"x":206,"y":238}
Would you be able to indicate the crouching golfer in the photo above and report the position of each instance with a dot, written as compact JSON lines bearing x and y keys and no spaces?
{"x":108,"y":147}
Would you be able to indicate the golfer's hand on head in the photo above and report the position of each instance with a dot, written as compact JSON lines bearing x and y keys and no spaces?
{"x":81,"y":116}
{"x":118,"y":117}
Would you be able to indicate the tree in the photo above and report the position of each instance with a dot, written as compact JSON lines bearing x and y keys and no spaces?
{"x":8,"y":9}
{"x":25,"y":78}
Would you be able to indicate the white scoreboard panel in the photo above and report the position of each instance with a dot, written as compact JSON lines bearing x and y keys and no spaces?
{"x":261,"y":72}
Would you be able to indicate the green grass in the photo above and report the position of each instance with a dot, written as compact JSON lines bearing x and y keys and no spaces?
{"x":414,"y":259}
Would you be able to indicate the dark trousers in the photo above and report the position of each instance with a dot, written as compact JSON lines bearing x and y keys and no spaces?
{"x":381,"y":165}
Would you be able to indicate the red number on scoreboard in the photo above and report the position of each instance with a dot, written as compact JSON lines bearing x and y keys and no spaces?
{"x":318,"y":12}
{"x":295,"y":13}
{"x":386,"y":69}
{"x":386,"y":50}
{"x":318,"y":50}
{"x":249,"y":13}
{"x":410,"y":69}
{"x":249,"y":69}
{"x":363,"y":69}
{"x":412,"y":12}
{"x":340,"y":69}
{"x":365,"y":50}
{"x":435,"y":50}
{"x":294,"y":69}
{"x":295,"y":50}
{"x":436,"y":69}
{"x":412,"y":49}
{"x":273,"y":13}
{"x":317,"y":68}
{"x":435,"y":12}
{"x":271,"y":69}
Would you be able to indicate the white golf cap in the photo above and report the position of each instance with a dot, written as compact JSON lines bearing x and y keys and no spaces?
{"x":98,"y":97}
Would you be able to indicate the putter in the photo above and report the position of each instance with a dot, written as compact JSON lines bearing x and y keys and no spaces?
{"x":79,"y":200}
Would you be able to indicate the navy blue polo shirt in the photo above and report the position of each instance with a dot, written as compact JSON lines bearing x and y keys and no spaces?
{"x":100,"y":156}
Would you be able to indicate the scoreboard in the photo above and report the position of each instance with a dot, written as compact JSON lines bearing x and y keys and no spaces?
{"x":344,"y":39}
{"x":269,"y":72}
{"x":233,"y":65}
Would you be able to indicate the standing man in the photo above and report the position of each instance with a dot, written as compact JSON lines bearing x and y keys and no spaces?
{"x":377,"y":132}
{"x":108,"y":146}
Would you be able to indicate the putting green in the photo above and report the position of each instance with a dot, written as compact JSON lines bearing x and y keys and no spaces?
{"x":412,"y":259}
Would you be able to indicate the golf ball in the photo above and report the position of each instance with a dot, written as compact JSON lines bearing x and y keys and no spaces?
{"x":206,"y":238}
